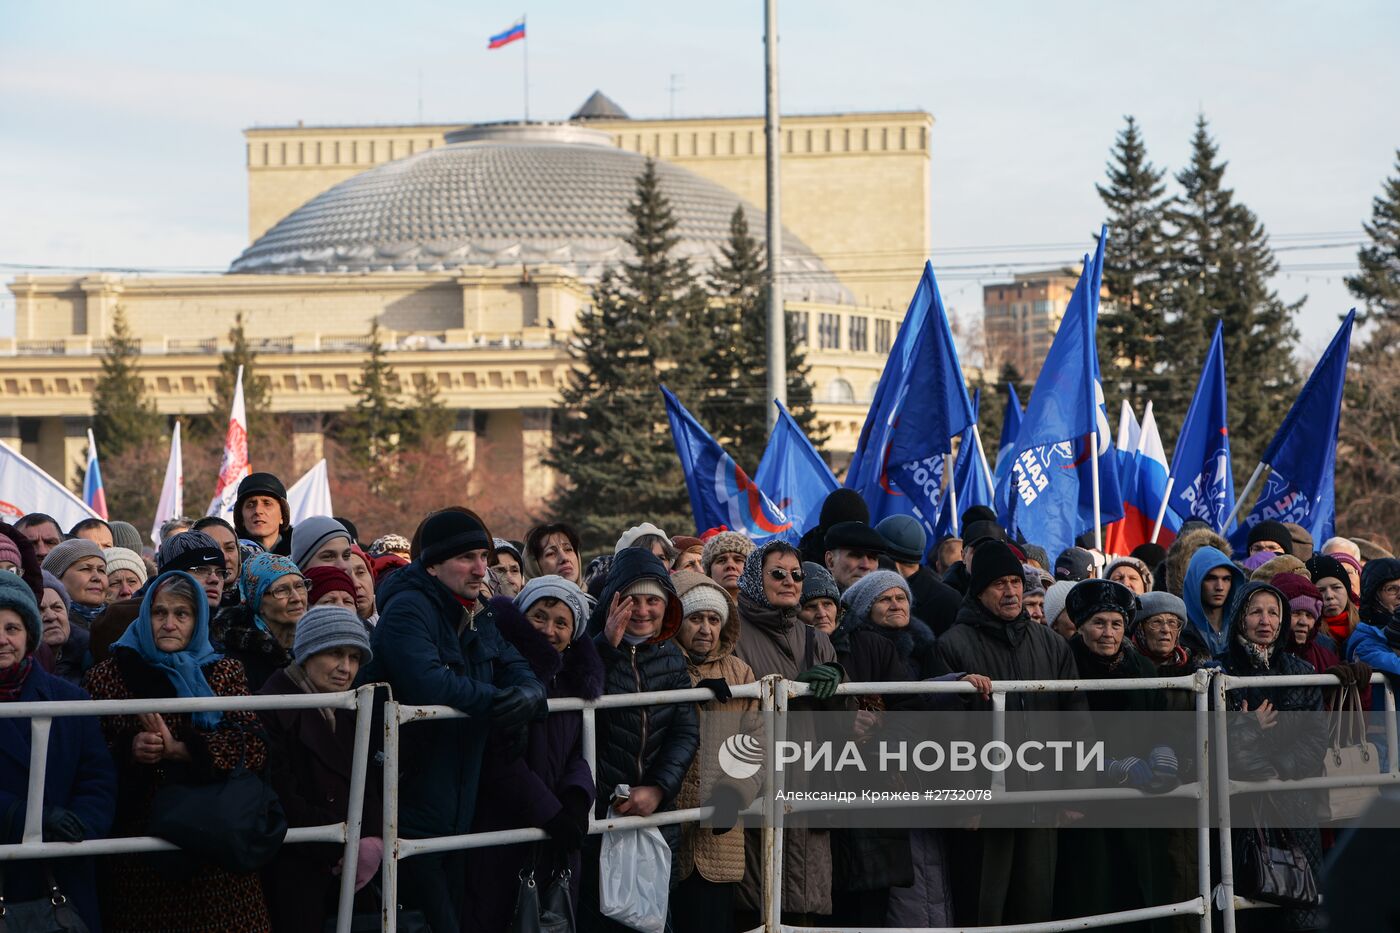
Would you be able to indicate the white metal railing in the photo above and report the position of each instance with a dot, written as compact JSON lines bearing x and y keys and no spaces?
{"x":1209,"y":688}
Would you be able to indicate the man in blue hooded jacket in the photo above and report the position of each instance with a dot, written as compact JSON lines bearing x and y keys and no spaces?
{"x":1212,"y":585}
{"x":436,"y":644}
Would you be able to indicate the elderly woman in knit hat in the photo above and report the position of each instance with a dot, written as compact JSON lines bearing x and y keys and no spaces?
{"x":1033,"y":596}
{"x":261,"y":630}
{"x":881,"y":601}
{"x":82,"y":567}
{"x":506,"y":556}
{"x":548,"y":784}
{"x":1131,"y":572}
{"x":821,"y":599}
{"x":80,"y":784}
{"x":311,"y":753}
{"x":689,"y":554}
{"x":67,"y":657}
{"x":1055,"y":615}
{"x":126,"y":573}
{"x":9,"y":556}
{"x":329,"y":586}
{"x":1155,"y":631}
{"x":722,"y":559}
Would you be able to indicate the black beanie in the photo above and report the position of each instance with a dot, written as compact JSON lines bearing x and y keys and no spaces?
{"x":1089,"y":597}
{"x":844,"y":505}
{"x":973,"y":532}
{"x":1149,"y":553}
{"x":262,"y":484}
{"x":977,"y":513}
{"x":1322,"y":566}
{"x":449,"y":533}
{"x":1272,"y":531}
{"x":992,"y":561}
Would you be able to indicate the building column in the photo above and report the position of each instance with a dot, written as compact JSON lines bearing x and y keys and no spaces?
{"x":536,"y":437}
{"x":62,"y":449}
{"x":9,"y":433}
{"x":308,"y":440}
{"x":462,"y":436}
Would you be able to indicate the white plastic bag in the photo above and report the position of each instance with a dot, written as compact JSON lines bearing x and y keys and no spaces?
{"x":634,"y":877}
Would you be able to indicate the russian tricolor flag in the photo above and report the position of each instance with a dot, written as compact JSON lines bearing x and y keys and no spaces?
{"x":1144,"y":488}
{"x":94,"y":497}
{"x":510,"y":35}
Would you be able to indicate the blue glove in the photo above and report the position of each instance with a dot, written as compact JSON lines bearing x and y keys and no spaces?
{"x":1162,"y":761}
{"x":1130,"y":772}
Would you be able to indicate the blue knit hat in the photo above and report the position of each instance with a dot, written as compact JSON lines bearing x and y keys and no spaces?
{"x":326,"y":627}
{"x":16,"y":596}
{"x":861,"y":595}
{"x":556,"y":587}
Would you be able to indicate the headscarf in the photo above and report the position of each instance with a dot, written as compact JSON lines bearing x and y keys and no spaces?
{"x":259,"y":573}
{"x":183,"y":667}
{"x":751,"y":581}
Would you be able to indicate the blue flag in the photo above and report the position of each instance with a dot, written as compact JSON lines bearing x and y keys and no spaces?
{"x":920,"y":405}
{"x":720,"y":492}
{"x":1302,"y":457}
{"x":1010,"y":427}
{"x":1049,"y":496}
{"x":1203,"y":484}
{"x":793,"y":474}
{"x":969,"y":479}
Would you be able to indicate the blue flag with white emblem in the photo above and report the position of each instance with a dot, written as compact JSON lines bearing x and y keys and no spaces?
{"x":720,"y":492}
{"x":1010,"y":427}
{"x":792,"y":474}
{"x":1049,"y":498}
{"x":1203,"y":484}
{"x":969,"y":479}
{"x":1302,"y":457}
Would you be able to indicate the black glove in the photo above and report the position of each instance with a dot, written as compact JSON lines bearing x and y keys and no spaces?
{"x":727,"y":803}
{"x":514,"y":706}
{"x":1344,"y":673}
{"x":1363,"y":673}
{"x":719,"y":686}
{"x":823,"y":679}
{"x":513,"y":741}
{"x":62,"y":825}
{"x":564,"y":831}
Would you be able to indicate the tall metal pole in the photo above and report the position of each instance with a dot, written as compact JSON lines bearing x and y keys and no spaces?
{"x":777,"y":321}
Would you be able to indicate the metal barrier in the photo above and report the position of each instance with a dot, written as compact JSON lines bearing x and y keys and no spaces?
{"x":41,"y":716}
{"x":774,"y":694}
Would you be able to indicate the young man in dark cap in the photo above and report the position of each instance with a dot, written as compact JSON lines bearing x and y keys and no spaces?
{"x":262,"y":513}
{"x":436,"y":644}
{"x":853,"y":549}
{"x":1012,"y":878}
{"x":935,"y":602}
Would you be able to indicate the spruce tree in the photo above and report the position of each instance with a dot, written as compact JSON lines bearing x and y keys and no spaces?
{"x":369,"y":431}
{"x":736,"y":409}
{"x":1132,"y":322}
{"x":123,"y":418}
{"x":1219,"y":265}
{"x":612,"y":444}
{"x":257,"y":394}
{"x":1377,"y":285}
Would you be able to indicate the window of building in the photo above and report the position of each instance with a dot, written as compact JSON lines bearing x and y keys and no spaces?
{"x":882,"y":337}
{"x":860,"y":333}
{"x":1042,"y":306}
{"x":798,"y":322}
{"x":829,"y":332}
{"x":840,"y":392}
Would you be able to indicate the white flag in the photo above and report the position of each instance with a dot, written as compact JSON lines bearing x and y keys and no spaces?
{"x":234,"y":467}
{"x":310,"y":495}
{"x":25,"y":488}
{"x":172,"y":492}
{"x":1128,"y":429}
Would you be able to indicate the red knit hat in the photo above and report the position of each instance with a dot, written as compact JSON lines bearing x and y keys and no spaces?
{"x":1300,"y":591}
{"x":325,"y":579}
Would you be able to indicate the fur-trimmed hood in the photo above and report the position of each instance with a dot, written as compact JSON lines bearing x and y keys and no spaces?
{"x":1179,"y":556}
{"x":577,"y":672}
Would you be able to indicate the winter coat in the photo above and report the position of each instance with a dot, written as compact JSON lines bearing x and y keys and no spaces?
{"x":112,"y":624}
{"x":935,"y":602}
{"x":1172,"y":578}
{"x":718,"y":858}
{"x":530,"y":790}
{"x":643,"y":745}
{"x":80,"y":777}
{"x":134,"y":895}
{"x":914,"y":646}
{"x":237,"y":635}
{"x":777,"y":642}
{"x":309,"y":767}
{"x":72,"y":659}
{"x":1135,"y":860}
{"x":1198,"y":635}
{"x":1291,"y":750}
{"x":959,"y":578}
{"x":432,"y":652}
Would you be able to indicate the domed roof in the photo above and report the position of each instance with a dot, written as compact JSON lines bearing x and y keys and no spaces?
{"x":512,"y":195}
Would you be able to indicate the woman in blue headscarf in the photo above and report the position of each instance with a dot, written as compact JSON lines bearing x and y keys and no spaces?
{"x":166,"y":653}
{"x":259,"y":631}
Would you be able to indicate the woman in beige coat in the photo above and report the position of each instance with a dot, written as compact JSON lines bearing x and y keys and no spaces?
{"x":710,"y":860}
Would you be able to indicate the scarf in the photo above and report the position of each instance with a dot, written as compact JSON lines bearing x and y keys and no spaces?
{"x":1259,"y":655}
{"x":183,"y":668}
{"x":13,"y":677}
{"x":1091,"y":662}
{"x":257,"y":576}
{"x":84,"y":615}
{"x":1339,"y":626}
{"x":751,"y":580}
{"x":297,"y":675}
{"x":1178,"y":658}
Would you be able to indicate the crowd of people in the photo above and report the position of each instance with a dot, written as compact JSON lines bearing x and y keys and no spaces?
{"x":457,"y":617}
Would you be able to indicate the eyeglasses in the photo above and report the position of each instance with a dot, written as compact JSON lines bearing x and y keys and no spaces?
{"x":205,"y":574}
{"x":285,"y":591}
{"x":1162,"y":625}
{"x":1390,"y":590}
{"x":13,"y":570}
{"x":779,"y":574}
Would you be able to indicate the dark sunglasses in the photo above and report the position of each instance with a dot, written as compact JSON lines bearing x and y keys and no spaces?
{"x":778,"y":573}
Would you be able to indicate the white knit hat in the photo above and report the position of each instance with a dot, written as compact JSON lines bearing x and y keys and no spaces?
{"x":120,"y":558}
{"x":702,"y":597}
{"x":630,"y":536}
{"x":1055,"y":598}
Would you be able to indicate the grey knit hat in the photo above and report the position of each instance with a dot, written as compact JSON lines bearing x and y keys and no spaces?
{"x":555,"y":587}
{"x":52,"y":582}
{"x":124,"y":534}
{"x":1055,"y":599}
{"x":1154,"y":603}
{"x":16,"y":596}
{"x":861,"y":595}
{"x":68,"y":553}
{"x":309,"y":534}
{"x":325,"y":627}
{"x":120,"y":558}
{"x":818,"y":584}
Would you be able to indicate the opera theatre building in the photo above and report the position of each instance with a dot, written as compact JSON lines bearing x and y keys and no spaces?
{"x":475,"y":248}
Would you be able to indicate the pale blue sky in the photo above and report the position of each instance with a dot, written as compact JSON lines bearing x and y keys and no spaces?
{"x":120,"y":122}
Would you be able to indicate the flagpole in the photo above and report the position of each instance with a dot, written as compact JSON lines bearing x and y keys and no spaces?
{"x":1244,"y":496}
{"x":1094,"y":471}
{"x":952,"y":490}
{"x":1162,"y":510}
{"x":982,"y":452}
{"x":777,"y":319}
{"x":525,"y":58}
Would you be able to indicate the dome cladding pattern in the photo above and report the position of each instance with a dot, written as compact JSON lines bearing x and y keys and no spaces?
{"x":522,"y":195}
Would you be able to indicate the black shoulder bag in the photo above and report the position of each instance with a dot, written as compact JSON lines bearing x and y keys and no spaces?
{"x":1271,"y":865}
{"x":51,"y":914}
{"x":550,"y":910}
